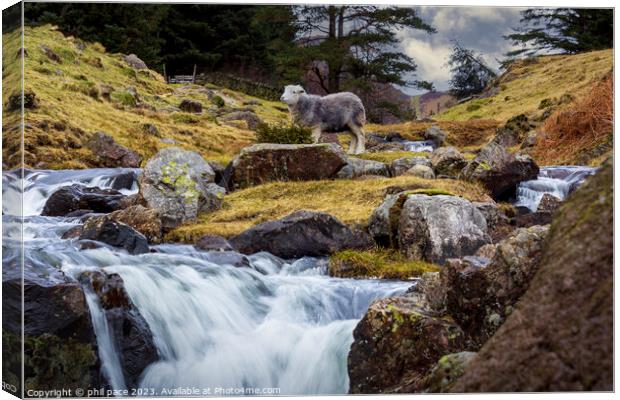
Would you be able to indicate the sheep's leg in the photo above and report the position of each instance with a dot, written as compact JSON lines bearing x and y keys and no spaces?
{"x":358,"y":138}
{"x":352,"y":143}
{"x":316,"y":134}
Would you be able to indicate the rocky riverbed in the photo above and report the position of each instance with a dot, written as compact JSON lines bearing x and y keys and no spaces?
{"x":121,"y":306}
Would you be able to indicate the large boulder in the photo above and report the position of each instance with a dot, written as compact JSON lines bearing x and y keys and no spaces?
{"x":436,"y":135}
{"x":144,"y":220}
{"x":357,"y":167}
{"x":560,"y":335}
{"x":262,"y":163}
{"x":111,"y":154}
{"x":395,"y":345}
{"x":131,"y":333}
{"x":179,"y":185}
{"x":213,"y":243}
{"x":68,"y":199}
{"x":404,"y":164}
{"x":447,"y":162}
{"x":435,"y":228}
{"x":302,"y":233}
{"x":105,"y":229}
{"x":500,"y":171}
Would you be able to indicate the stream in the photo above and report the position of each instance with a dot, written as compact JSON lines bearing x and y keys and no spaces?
{"x":278,"y":324}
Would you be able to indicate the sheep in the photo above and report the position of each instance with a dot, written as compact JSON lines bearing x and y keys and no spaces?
{"x":338,"y":112}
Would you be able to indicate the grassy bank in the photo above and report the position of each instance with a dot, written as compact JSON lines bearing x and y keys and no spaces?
{"x":351,"y":201}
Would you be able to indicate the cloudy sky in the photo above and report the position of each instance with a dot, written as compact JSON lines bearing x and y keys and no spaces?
{"x":477,"y":28}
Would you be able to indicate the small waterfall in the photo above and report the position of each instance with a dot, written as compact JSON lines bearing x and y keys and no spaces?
{"x":108,"y":354}
{"x":558,"y":181}
{"x":278,"y":324}
{"x":418,"y":146}
{"x":40,"y":184}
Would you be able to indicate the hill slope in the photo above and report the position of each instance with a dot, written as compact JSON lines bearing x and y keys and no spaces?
{"x":530,"y":85}
{"x":70,"y":80}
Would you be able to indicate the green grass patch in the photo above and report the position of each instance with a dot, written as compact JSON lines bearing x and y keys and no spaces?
{"x":377,"y":263}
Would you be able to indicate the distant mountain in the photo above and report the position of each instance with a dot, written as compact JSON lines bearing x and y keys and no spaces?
{"x":432,"y":103}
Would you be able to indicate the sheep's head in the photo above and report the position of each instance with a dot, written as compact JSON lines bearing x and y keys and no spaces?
{"x":291,"y":94}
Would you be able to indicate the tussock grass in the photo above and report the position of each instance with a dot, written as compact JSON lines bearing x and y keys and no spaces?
{"x":526,"y":84}
{"x":377,"y":263}
{"x":69,"y":97}
{"x":350,"y":201}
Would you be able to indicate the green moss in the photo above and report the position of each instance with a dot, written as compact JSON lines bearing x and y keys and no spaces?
{"x":379,"y":263}
{"x":177,"y":177}
{"x":431,"y":192}
{"x":125,"y":98}
{"x":218,"y":101}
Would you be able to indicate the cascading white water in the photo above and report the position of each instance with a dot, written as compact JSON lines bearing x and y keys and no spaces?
{"x":277,"y":324}
{"x":558,"y":181}
{"x":418,"y":145}
{"x":40,"y":184}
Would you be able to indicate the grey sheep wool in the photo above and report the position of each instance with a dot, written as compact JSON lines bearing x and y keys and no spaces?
{"x":338,"y":112}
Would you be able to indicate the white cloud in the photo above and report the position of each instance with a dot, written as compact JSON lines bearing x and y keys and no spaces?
{"x":430,"y":58}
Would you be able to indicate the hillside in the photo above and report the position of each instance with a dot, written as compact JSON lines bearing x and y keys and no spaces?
{"x":530,"y":86}
{"x":70,"y":79}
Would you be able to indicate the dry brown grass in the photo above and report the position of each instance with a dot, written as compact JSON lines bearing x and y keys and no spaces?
{"x":581,"y":133}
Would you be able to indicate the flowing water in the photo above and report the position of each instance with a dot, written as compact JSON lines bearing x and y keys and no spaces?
{"x":277,"y":324}
{"x":418,"y":146}
{"x":558,"y":181}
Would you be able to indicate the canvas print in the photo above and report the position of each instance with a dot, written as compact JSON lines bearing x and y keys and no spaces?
{"x":267,"y":200}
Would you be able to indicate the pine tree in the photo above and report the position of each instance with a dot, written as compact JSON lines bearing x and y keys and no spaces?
{"x":564,"y":30}
{"x":470,"y":74}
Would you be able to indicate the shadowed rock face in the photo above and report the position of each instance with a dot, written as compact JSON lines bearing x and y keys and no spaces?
{"x":262,"y":163}
{"x":302,"y":233}
{"x":560,"y":337}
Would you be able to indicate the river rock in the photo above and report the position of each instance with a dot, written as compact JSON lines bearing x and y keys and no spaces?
{"x":480,"y":297}
{"x":421,"y":171}
{"x":560,"y":335}
{"x":448,"y":369}
{"x":144,"y":220}
{"x":435,"y":228}
{"x":395,"y":345}
{"x":262,"y":163}
{"x":500,"y":171}
{"x":134,"y":340}
{"x":357,"y":167}
{"x":190,"y":106}
{"x":111,"y":154}
{"x":57,"y":329}
{"x":436,"y":135}
{"x":105,"y":229}
{"x":68,"y":199}
{"x":402,"y":165}
{"x":213,"y":243}
{"x":302,"y":233}
{"x":134,"y":61}
{"x":447,"y":161}
{"x":179,"y":185}
{"x":549,"y":203}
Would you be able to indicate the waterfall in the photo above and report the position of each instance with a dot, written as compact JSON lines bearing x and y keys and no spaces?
{"x":558,"y":181}
{"x":281,"y":324}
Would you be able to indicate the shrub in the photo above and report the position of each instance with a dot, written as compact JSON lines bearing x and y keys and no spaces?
{"x":218,"y":101}
{"x":281,"y":133}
